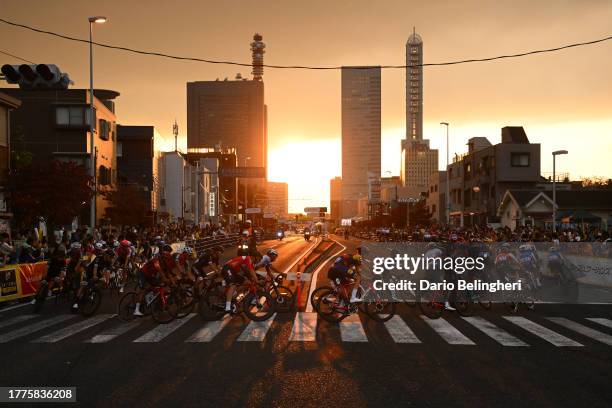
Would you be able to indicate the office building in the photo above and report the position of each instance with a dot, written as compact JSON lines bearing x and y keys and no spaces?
{"x":277,"y":199}
{"x":418,"y":162}
{"x":361,"y":124}
{"x":335,"y":200}
{"x":414,"y":87}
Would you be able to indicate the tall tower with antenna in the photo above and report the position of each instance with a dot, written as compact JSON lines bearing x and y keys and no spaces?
{"x":258,"y":49}
{"x":414,"y":87}
{"x":175,"y":133}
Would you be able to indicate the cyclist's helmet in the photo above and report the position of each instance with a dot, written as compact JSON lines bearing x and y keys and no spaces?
{"x":167,"y":248}
{"x":188,"y":250}
{"x":505,"y":247}
{"x":125,"y":243}
{"x":75,"y":245}
{"x":115,"y":243}
{"x":356,"y":260}
{"x":524,"y":248}
{"x":272,"y":253}
{"x":99,"y":246}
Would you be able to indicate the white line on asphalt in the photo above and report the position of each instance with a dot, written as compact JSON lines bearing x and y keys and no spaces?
{"x":447,"y":331}
{"x":17,"y":319}
{"x":113,"y":332}
{"x":315,"y":274}
{"x":499,"y":335}
{"x":24,"y":331}
{"x":601,"y":320}
{"x":163,"y":330}
{"x":399,"y":330}
{"x":303,"y":254}
{"x":256,"y":331}
{"x":304,"y":327}
{"x":542,"y":332}
{"x":72,"y":329}
{"x":209,"y":331}
{"x":352,"y":331}
{"x":584,"y":330}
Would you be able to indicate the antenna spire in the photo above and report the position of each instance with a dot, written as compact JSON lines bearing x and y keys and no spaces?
{"x":175,"y":133}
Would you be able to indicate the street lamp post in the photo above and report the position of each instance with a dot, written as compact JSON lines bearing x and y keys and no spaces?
{"x":246,"y":189}
{"x":447,"y":178}
{"x":92,"y":156}
{"x":554,"y":209}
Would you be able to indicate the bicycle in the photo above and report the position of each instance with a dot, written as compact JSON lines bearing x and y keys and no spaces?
{"x":159,"y":302}
{"x":332,"y":305}
{"x":257,"y":304}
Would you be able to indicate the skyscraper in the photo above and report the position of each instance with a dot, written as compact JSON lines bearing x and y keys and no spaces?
{"x":414,"y":87}
{"x":418,"y":160}
{"x":360,"y":133}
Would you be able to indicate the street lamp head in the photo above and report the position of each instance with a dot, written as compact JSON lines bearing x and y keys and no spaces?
{"x":558,"y":152}
{"x":97,"y":19}
{"x":444,"y":123}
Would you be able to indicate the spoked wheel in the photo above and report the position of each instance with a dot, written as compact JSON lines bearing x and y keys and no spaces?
{"x":327,"y":305}
{"x":463,"y":303}
{"x":380,"y":310}
{"x":186,"y":302}
{"x":212,"y":304}
{"x":126,"y":307}
{"x":485,"y":304}
{"x":258,"y":306}
{"x":91,"y":302}
{"x":165,"y":312}
{"x":283,"y":297}
{"x":314,"y":296}
{"x":431,"y":303}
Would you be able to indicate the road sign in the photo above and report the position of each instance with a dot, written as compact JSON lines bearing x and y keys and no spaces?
{"x":254,"y":210}
{"x":269,"y":215}
{"x":243,"y":172}
{"x":316,"y":210}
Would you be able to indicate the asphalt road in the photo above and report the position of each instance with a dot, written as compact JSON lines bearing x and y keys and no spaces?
{"x":496,"y":359}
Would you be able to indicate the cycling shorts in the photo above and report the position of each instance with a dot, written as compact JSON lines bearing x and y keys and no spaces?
{"x":232,"y":277}
{"x":146,"y":280}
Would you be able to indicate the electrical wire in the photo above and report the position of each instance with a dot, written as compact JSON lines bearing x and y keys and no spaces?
{"x":306,"y":67}
{"x":16,"y":57}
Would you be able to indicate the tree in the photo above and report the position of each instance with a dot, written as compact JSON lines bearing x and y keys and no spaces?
{"x":596,"y":183}
{"x":128,"y":205}
{"x":56,"y":190}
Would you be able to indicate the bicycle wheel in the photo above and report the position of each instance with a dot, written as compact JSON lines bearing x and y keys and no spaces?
{"x":283,"y":297}
{"x":126,"y":306}
{"x":463,"y":303}
{"x":212,"y":304}
{"x":314,"y":296}
{"x":258,"y":306}
{"x":380,"y":310}
{"x":431,"y":303}
{"x":91,"y":301}
{"x":165,"y":312}
{"x":41,"y":296}
{"x":186,"y":301}
{"x":327,"y":305}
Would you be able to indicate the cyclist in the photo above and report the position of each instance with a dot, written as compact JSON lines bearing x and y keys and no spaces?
{"x":185,"y":261}
{"x":506,"y":264}
{"x":344,"y":272}
{"x":266,"y":262}
{"x":529,"y":262}
{"x":156,"y":271}
{"x":234,"y":272}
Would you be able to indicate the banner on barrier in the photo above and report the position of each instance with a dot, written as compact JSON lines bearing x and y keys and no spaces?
{"x":21,"y":280}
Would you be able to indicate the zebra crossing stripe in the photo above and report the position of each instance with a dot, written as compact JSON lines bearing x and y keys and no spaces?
{"x":17,"y":319}
{"x":163,"y":330}
{"x":497,"y":334}
{"x":209,"y":331}
{"x":24,"y":331}
{"x":399,"y":330}
{"x":256,"y":331}
{"x":584,"y":330}
{"x":447,"y":331}
{"x":601,"y":320}
{"x":542,"y":332}
{"x":72,"y":329}
{"x":304,"y":327}
{"x":352,"y":331}
{"x":114,"y":332}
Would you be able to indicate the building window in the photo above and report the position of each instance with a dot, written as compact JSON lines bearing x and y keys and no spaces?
{"x":72,"y":116}
{"x":519,"y":159}
{"x":103,"y":129}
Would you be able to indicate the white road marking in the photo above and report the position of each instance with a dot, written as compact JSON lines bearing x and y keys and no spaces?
{"x":114,"y":332}
{"x":24,"y":331}
{"x":542,"y":332}
{"x":499,"y":335}
{"x":256,"y":331}
{"x":73,"y":329}
{"x":209,"y":331}
{"x":163,"y":330}
{"x":315,"y":274}
{"x":584,"y":330}
{"x":601,"y":320}
{"x":17,"y":319}
{"x":304,"y":327}
{"x":399,"y":330}
{"x":447,"y":331}
{"x":352,"y":331}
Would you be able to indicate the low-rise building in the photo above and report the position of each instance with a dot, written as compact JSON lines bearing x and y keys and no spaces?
{"x":7,"y":105}
{"x":436,"y":197}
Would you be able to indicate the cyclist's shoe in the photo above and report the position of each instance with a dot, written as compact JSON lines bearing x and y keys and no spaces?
{"x":447,"y":306}
{"x":138,"y":313}
{"x":75,"y":307}
{"x":33,"y":302}
{"x":121,"y":289}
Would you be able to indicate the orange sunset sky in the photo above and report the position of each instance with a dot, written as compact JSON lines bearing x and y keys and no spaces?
{"x":563,"y":99}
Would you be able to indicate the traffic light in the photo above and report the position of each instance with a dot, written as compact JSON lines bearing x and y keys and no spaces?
{"x":44,"y":76}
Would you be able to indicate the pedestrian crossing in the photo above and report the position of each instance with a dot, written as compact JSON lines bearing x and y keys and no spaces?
{"x":506,"y":331}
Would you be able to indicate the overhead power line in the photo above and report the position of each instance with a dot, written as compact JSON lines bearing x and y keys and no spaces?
{"x":208,"y":61}
{"x":16,"y":57}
